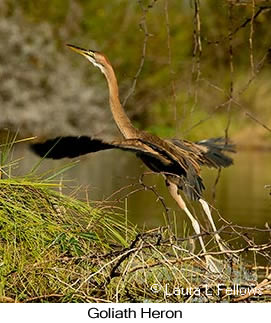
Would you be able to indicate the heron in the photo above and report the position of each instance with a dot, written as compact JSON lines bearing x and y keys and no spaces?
{"x":179,"y":161}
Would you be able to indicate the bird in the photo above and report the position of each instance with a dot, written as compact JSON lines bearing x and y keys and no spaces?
{"x":179,"y":161}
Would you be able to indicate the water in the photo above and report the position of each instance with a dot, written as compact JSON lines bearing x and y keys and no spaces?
{"x":241,"y":196}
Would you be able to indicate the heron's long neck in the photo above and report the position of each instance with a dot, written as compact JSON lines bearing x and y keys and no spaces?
{"x":123,"y":122}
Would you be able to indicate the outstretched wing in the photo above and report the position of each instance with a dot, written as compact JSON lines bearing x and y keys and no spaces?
{"x":70,"y":147}
{"x":160,"y":159}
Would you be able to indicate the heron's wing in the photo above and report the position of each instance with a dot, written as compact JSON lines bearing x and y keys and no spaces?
{"x":215,"y":155}
{"x":210,"y":152}
{"x":159,"y":159}
{"x":182,"y":170}
{"x":218,"y":143}
{"x":70,"y":147}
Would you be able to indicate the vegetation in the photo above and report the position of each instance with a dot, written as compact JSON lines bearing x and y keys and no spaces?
{"x":55,"y":248}
{"x":43,"y":232}
{"x":49,"y":241}
{"x":202,"y":64}
{"x":203,"y":70}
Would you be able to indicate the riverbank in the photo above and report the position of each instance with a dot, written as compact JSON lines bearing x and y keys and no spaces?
{"x":55,"y":248}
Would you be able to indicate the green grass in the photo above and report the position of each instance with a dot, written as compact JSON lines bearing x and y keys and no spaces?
{"x":56,"y":248}
{"x":41,"y":231}
{"x":47,"y":239}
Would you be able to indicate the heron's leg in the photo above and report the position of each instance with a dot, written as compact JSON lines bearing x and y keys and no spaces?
{"x":173,"y":189}
{"x":207,"y":211}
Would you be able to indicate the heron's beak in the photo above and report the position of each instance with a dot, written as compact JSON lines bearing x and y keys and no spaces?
{"x":81,"y":51}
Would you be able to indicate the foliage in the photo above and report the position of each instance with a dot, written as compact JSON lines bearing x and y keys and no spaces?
{"x":198,"y":56}
{"x":55,"y":248}
{"x":48,"y":240}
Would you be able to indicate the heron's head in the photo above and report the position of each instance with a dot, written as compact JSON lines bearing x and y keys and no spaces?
{"x":96,"y":58}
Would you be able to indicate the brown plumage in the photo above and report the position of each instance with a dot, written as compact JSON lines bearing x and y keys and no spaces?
{"x":179,"y":161}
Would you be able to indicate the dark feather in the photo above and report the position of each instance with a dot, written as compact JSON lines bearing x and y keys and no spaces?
{"x":186,"y":178}
{"x":157,"y":158}
{"x":218,"y":143}
{"x":211,"y":151}
{"x":215,"y":148}
{"x":69,"y":147}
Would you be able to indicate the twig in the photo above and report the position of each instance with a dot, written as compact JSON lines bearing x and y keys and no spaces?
{"x":36,"y":298}
{"x":130,"y":250}
{"x":258,"y":121}
{"x":251,"y":37}
{"x":197,"y":51}
{"x":172,"y":81}
{"x":143,"y":27}
{"x":242,"y":25}
{"x":258,"y":288}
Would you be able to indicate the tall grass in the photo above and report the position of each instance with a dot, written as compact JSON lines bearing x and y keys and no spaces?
{"x":42,"y":229}
{"x":56,"y":248}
